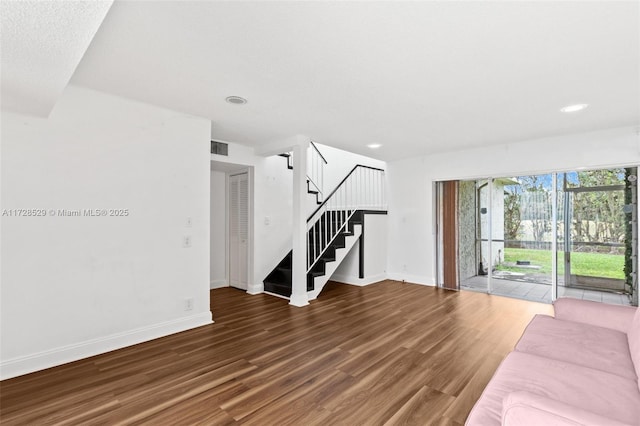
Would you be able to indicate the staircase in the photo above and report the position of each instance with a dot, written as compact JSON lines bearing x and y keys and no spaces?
{"x":279,"y":280}
{"x":333,"y":228}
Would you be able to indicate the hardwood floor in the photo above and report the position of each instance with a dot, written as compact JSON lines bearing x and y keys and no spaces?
{"x":389,"y":353}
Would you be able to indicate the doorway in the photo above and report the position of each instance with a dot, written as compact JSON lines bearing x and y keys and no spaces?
{"x":539,"y":237}
{"x":595,"y":231}
{"x":238,"y":190}
{"x":231,"y":230}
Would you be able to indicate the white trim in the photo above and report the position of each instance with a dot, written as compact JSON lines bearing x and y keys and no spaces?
{"x":218,"y":284}
{"x":276,"y":295}
{"x":354,"y":280}
{"x":411,"y":279}
{"x":256,"y":289}
{"x":69,"y":353}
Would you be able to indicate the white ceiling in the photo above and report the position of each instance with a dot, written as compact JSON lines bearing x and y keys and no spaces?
{"x":42,"y":43}
{"x":417,"y":77}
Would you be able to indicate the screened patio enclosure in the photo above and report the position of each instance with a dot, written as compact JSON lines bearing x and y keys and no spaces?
{"x":541,"y":237}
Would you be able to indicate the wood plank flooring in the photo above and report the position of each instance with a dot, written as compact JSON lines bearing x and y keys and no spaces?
{"x":386,"y":354}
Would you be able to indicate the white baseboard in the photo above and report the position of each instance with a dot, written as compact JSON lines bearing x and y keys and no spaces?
{"x":218,"y":284}
{"x":65,"y":354}
{"x":344,"y":279}
{"x":412,"y":279}
{"x":255,"y":288}
{"x":275,"y":295}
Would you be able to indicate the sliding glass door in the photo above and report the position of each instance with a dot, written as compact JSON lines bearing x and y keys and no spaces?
{"x":595,"y":228}
{"x":514,"y":232}
{"x":524,"y":208}
{"x":544,"y":236}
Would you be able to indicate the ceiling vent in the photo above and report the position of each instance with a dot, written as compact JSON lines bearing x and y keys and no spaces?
{"x":219,"y":148}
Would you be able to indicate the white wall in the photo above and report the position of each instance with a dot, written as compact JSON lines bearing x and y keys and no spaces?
{"x":76,"y":286}
{"x":273,"y":203}
{"x":411,"y":222}
{"x":218,"y":246}
{"x":340,"y":162}
{"x":375,"y":254}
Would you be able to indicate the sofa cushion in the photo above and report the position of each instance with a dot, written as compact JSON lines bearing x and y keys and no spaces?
{"x":633,"y":336}
{"x":578,"y":343}
{"x":523,"y":408}
{"x":596,"y":391}
{"x":599,"y":314}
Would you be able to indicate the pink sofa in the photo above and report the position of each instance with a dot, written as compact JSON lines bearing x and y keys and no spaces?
{"x":580,"y":367}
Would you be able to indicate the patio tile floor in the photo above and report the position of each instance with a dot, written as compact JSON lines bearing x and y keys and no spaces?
{"x":537,"y":292}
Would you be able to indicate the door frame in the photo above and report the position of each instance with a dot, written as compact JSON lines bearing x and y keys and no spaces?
{"x":251,"y":286}
{"x":569,"y":200}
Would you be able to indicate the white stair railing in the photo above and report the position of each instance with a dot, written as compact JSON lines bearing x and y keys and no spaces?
{"x":362,"y":189}
{"x":315,"y":171}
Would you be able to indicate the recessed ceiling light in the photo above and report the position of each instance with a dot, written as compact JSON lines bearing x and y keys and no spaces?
{"x":374,"y":145}
{"x":574,"y":108}
{"x":237,"y":100}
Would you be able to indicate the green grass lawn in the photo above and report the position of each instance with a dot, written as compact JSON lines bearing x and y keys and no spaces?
{"x":589,"y":264}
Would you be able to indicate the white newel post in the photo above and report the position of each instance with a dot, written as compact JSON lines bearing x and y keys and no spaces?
{"x":299,"y":262}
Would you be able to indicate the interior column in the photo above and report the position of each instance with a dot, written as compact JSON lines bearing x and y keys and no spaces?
{"x":299,"y":261}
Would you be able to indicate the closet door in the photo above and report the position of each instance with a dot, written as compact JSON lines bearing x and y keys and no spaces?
{"x":238,"y":230}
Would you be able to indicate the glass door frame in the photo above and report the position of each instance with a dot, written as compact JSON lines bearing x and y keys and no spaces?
{"x":554,"y":240}
{"x":568,"y":219}
{"x":484,"y":232}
